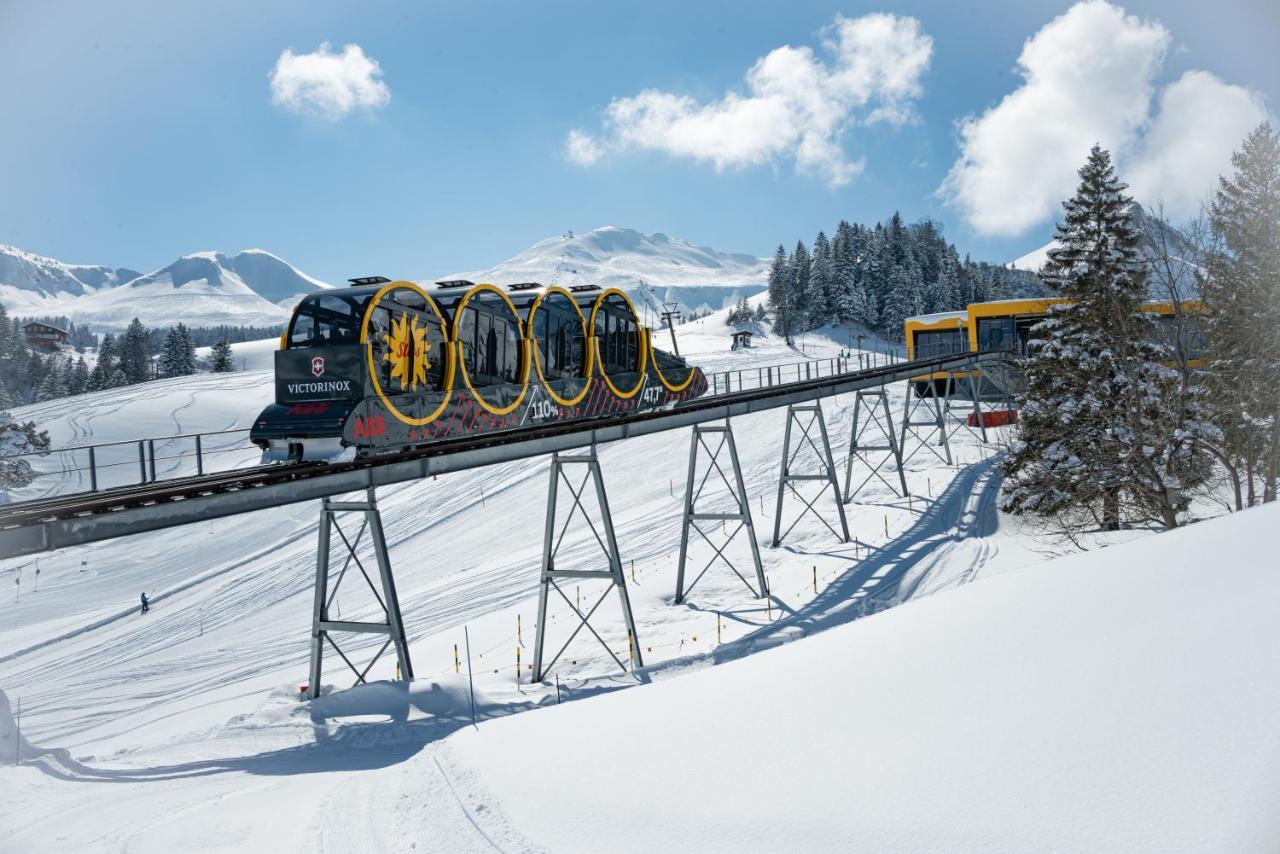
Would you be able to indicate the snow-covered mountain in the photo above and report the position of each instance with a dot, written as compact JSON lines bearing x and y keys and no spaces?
{"x":41,"y":276}
{"x":653,"y":268}
{"x":252,"y":287}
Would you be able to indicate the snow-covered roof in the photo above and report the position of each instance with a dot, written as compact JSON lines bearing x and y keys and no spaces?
{"x":938,"y":316}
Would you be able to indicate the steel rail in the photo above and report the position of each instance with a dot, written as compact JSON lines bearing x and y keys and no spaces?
{"x":48,"y":524}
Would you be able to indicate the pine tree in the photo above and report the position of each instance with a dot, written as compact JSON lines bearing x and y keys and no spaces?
{"x":223,"y":362}
{"x":53,"y":385}
{"x":780,"y":292}
{"x":178,"y":355}
{"x":821,"y":286}
{"x":903,"y":301}
{"x":17,"y":438}
{"x":135,"y":355}
{"x":800,"y":265}
{"x":1105,"y":428}
{"x":105,"y":366}
{"x":78,"y":380}
{"x":1242,"y":323}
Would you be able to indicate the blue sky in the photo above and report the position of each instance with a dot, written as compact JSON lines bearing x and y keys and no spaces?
{"x":133,"y":132}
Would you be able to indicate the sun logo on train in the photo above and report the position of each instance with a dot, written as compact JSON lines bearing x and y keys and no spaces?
{"x":407,"y":349}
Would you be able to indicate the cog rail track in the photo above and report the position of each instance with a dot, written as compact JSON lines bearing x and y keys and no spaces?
{"x":47,"y":524}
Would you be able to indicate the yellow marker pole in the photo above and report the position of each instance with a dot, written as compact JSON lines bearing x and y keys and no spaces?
{"x":717,"y":627}
{"x":886,"y":525}
{"x":457,"y":665}
{"x":517,"y":665}
{"x":519,"y":631}
{"x":631,"y":650}
{"x":815,"y":580}
{"x":577,"y":591}
{"x":633,"y":570}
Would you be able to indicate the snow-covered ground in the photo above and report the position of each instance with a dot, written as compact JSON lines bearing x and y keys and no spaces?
{"x":1115,"y":700}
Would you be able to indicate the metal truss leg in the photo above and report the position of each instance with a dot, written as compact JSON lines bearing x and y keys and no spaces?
{"x":936,"y":422}
{"x":608,"y":545}
{"x":737,"y":489}
{"x":860,"y":450}
{"x":787,"y":478}
{"x":975,"y":377}
{"x":322,"y":627}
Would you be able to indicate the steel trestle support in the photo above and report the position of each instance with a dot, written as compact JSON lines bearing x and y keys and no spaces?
{"x":787,"y":477}
{"x":860,"y":450}
{"x":691,"y":517}
{"x":322,"y":627}
{"x":608,"y":545}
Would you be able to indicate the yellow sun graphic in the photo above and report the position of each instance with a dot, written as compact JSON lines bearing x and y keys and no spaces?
{"x":407,"y":334}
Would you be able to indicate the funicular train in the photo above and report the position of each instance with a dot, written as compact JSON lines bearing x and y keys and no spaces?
{"x":1006,"y":325}
{"x":384,"y":366}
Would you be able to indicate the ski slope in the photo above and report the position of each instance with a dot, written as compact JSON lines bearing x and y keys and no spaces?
{"x":192,"y":713}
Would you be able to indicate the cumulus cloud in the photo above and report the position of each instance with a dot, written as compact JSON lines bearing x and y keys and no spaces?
{"x":1200,"y":121}
{"x":327,"y":84}
{"x":795,"y":104}
{"x":1090,"y":76}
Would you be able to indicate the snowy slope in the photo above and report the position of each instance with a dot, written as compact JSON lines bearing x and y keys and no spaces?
{"x":252,"y":287}
{"x":190,"y":713}
{"x":655,"y":268}
{"x":1035,"y":259}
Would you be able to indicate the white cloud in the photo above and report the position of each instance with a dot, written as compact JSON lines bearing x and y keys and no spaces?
{"x":582,"y":149}
{"x":796,"y":105}
{"x":327,"y":84}
{"x":1200,"y":122}
{"x":1089,"y":76}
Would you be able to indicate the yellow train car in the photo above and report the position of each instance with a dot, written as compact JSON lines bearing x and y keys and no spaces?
{"x":1007,"y":324}
{"x":939,"y":334}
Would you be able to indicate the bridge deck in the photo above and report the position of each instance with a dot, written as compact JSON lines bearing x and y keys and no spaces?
{"x":47,"y":524}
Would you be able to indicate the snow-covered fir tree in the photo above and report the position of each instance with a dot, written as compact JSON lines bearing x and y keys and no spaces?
{"x":17,"y":438}
{"x":135,"y":354}
{"x":781,"y":298}
{"x":221,"y":359}
{"x":1241,"y":291}
{"x":105,"y":366}
{"x":1107,"y":432}
{"x":178,"y":355}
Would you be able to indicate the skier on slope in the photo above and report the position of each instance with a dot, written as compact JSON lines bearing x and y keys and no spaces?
{"x":146,"y":603}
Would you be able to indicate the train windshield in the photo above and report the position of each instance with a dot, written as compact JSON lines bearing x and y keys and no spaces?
{"x":327,"y":320}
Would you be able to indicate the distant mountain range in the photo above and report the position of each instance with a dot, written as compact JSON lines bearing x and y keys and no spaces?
{"x":252,"y":288}
{"x":652,"y":268}
{"x":256,"y":288}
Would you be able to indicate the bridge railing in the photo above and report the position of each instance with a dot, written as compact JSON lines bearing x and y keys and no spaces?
{"x":106,"y":465}
{"x":133,"y":462}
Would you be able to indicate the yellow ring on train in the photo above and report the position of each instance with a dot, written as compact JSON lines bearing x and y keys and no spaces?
{"x":587,"y":343}
{"x":657,"y":369}
{"x":524,"y":355}
{"x":368,"y":354}
{"x":640,"y":344}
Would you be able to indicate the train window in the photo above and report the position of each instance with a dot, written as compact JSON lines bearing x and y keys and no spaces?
{"x":407,"y":344}
{"x":558,"y":335}
{"x":618,"y":336}
{"x":938,"y":342}
{"x":327,"y":320}
{"x":490,"y":338}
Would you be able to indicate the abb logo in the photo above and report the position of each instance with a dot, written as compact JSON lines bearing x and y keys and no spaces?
{"x":367,"y":428}
{"x":308,"y":408}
